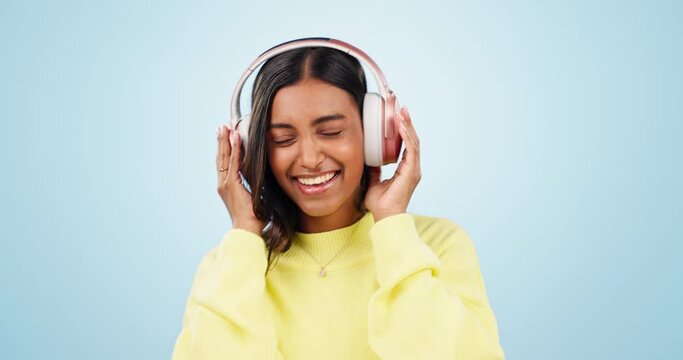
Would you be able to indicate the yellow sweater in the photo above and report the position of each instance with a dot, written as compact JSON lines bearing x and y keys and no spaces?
{"x":406,"y":287}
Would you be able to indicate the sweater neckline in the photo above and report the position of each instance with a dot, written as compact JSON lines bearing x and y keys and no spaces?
{"x":347,"y":244}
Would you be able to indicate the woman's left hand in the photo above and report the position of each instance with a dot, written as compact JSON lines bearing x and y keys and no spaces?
{"x":391,"y":196}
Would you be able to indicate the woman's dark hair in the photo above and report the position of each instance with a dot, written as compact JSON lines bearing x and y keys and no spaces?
{"x":270,"y":202}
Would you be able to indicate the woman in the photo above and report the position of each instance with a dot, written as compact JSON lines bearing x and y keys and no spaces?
{"x":348,"y":273}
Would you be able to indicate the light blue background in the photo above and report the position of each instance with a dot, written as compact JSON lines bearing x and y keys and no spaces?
{"x":550,"y":130}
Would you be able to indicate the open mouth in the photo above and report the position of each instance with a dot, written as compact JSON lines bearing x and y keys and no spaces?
{"x":318,"y":180}
{"x":318,"y":184}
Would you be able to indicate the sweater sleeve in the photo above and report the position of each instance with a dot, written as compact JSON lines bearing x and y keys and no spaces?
{"x":226,"y":315}
{"x":428,"y":306}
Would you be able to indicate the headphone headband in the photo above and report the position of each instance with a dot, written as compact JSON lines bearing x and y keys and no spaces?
{"x":301,"y":43}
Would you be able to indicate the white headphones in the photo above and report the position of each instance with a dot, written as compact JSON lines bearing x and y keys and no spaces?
{"x":382,"y":140}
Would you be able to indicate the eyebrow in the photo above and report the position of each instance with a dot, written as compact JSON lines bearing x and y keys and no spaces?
{"x":316,"y":122}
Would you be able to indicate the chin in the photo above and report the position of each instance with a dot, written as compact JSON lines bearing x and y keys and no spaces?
{"x":318,"y":210}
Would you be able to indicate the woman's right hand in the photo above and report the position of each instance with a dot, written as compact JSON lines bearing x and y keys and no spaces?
{"x":235,"y":196}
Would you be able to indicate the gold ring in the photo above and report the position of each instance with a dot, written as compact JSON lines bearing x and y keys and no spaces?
{"x":221,"y":169}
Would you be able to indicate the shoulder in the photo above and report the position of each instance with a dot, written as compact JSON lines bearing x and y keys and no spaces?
{"x":238,"y":250}
{"x":456,"y":251}
{"x":205,"y":264}
{"x":442,"y":234}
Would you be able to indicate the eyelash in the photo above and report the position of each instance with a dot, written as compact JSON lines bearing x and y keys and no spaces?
{"x":283,"y":142}
{"x":328,"y":134}
{"x":331,"y":133}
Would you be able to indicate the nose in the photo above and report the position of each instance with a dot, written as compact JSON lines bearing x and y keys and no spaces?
{"x":310,"y":154}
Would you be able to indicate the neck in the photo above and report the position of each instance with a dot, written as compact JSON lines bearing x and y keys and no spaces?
{"x":339,"y":219}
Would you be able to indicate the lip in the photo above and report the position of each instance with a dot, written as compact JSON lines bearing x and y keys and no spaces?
{"x":317,"y":189}
{"x":312,"y":176}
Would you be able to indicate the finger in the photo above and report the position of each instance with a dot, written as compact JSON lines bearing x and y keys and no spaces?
{"x":411,"y":148}
{"x":223,"y":156}
{"x":401,"y":165}
{"x":411,"y":155}
{"x":407,"y":121}
{"x":234,"y":170}
{"x":219,"y":152}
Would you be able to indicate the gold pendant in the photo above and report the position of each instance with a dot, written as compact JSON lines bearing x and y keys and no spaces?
{"x":322,"y":272}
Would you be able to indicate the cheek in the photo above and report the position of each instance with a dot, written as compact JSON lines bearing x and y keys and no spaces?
{"x":278,"y":163}
{"x":352,"y":156}
{"x":355,"y":150}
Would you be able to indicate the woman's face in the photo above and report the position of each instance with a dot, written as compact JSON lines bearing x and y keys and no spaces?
{"x":315,"y":148}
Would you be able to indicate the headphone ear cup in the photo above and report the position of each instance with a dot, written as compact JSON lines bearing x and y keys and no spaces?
{"x":243,"y":128}
{"x":373,"y":107}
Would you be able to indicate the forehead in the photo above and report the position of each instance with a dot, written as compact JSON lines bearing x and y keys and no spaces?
{"x":310,"y":99}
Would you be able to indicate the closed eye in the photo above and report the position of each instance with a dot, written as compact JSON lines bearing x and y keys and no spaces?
{"x":283,"y":141}
{"x":331,"y":133}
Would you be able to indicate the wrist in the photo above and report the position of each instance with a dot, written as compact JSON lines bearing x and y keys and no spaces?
{"x":250,"y":226}
{"x":385,"y":214}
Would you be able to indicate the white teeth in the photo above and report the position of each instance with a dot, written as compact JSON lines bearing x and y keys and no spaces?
{"x":316,"y":180}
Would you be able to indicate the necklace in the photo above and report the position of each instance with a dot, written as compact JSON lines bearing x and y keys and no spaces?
{"x":323,"y":272}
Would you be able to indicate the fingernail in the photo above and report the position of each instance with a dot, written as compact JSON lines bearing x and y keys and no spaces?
{"x":406,"y":109}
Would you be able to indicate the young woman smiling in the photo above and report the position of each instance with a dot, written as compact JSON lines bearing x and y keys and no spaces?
{"x":355,"y":276}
